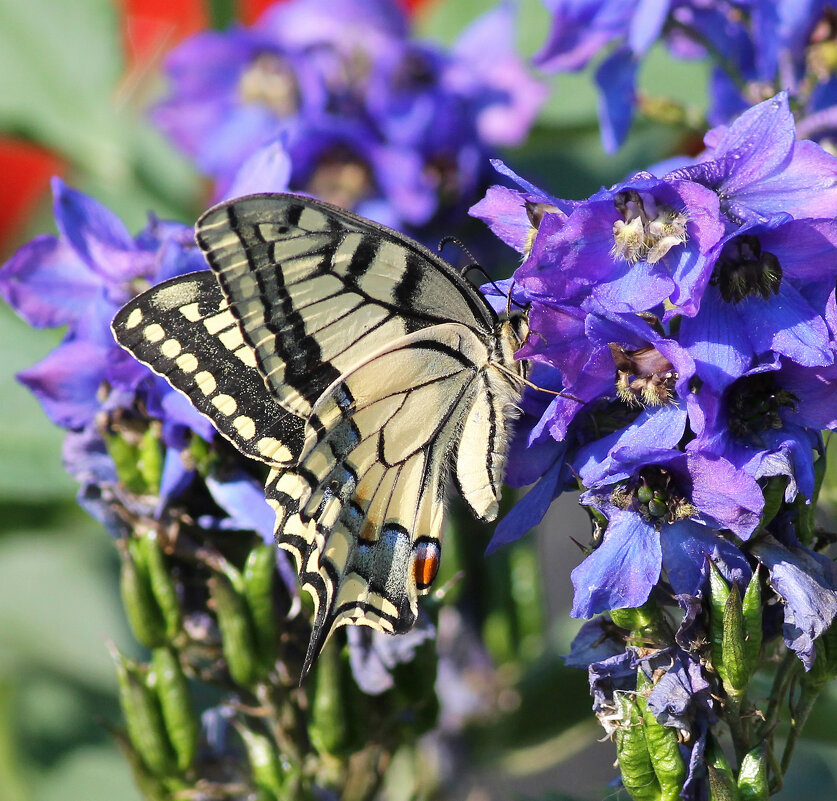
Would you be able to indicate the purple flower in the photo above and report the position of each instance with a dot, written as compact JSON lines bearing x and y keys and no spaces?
{"x":807,"y":583}
{"x":759,"y":169}
{"x":371,"y":120}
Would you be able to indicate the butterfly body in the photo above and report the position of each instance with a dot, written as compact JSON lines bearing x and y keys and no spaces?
{"x":362,"y":368}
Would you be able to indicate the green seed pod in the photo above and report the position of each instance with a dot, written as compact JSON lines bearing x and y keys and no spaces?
{"x":142,"y":610}
{"x":657,"y":508}
{"x":635,"y":765}
{"x":238,"y":640}
{"x":125,"y":457}
{"x":751,"y":608}
{"x":150,"y":459}
{"x":144,"y":720}
{"x":644,"y":493}
{"x":265,"y":763}
{"x":150,"y":787}
{"x":199,"y":453}
{"x":328,"y":726}
{"x":258,"y":578}
{"x":663,"y":747}
{"x":162,"y":584}
{"x":753,"y":784}
{"x":734,"y":656}
{"x":722,"y":786}
{"x":176,"y":705}
{"x":718,"y":595}
{"x":643,"y":618}
{"x":774,"y":495}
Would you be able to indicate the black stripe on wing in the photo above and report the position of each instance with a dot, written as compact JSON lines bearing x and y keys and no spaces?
{"x":183,"y":330}
{"x":318,"y":290}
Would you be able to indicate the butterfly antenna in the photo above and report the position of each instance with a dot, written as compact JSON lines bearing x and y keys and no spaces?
{"x":473,"y":263}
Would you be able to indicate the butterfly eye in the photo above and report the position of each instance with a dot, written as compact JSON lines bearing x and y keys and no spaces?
{"x":426,"y":556}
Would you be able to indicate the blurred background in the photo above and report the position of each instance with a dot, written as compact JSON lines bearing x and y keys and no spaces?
{"x":76,"y":80}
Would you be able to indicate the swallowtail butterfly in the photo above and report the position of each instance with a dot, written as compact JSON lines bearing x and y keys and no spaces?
{"x":362,"y":369}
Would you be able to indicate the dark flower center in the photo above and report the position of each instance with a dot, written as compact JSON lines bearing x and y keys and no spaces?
{"x":647,"y":230}
{"x":654,"y":496}
{"x":744,"y":269}
{"x":643,"y":377}
{"x":271,"y":82}
{"x":415,"y":73}
{"x":341,"y":178}
{"x":755,"y":403}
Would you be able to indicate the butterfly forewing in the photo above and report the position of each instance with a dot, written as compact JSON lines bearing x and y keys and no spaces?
{"x":184,"y":331}
{"x":317,"y":288}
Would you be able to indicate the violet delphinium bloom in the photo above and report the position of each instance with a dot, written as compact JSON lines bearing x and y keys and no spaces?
{"x":95,"y":390}
{"x":755,"y":45}
{"x":689,"y":321}
{"x":372,"y":120}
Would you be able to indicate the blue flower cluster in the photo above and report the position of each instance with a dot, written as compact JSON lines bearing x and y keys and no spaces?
{"x":757,"y":46}
{"x":99,"y":393}
{"x":690,"y":322}
{"x":372,"y":120}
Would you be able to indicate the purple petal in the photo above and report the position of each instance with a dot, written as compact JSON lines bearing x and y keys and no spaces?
{"x":621,"y":571}
{"x":647,"y":24}
{"x":504,"y":211}
{"x":681,"y":694}
{"x":47,"y":284}
{"x":816,"y":389}
{"x":807,"y":582}
{"x":616,"y":79}
{"x":687,"y":548}
{"x":97,"y":235}
{"x":242,"y":498}
{"x":787,"y":324}
{"x":268,"y":169}
{"x":730,"y":496}
{"x":373,"y":655}
{"x":67,"y":382}
{"x":596,"y":641}
{"x":579,"y":30}
{"x":488,"y":49}
{"x":806,"y":187}
{"x":718,"y":341}
{"x":529,"y":510}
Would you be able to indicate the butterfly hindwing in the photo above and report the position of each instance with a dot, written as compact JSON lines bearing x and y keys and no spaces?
{"x":183,"y":330}
{"x":362,"y":511}
{"x":317,"y":288}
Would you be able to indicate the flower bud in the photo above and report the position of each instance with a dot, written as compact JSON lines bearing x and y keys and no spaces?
{"x":635,"y":764}
{"x":328,"y":726}
{"x":163,"y":588}
{"x":663,"y":747}
{"x":258,"y":577}
{"x":144,"y":615}
{"x":144,"y":719}
{"x":753,"y":784}
{"x":238,"y":639}
{"x":150,"y":459}
{"x":176,"y":705}
{"x":265,"y":763}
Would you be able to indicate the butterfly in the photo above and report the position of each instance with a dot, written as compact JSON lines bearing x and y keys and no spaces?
{"x":363,"y":369}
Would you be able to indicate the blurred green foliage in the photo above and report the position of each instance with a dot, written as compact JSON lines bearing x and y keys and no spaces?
{"x":62,"y":85}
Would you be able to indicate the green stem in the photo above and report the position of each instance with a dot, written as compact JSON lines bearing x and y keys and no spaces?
{"x":775,"y":770}
{"x":800,"y":717}
{"x":736,"y":724}
{"x":784,"y":674}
